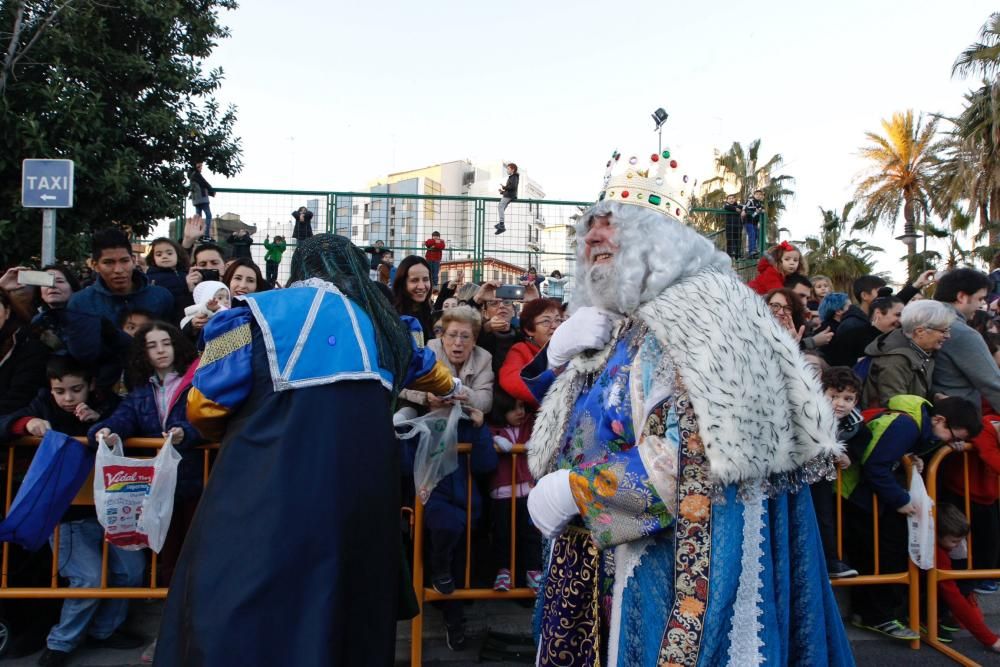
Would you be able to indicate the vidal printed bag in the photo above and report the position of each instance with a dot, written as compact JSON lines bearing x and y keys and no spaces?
{"x":134,"y":498}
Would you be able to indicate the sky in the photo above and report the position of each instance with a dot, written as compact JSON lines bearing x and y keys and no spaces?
{"x":331,"y":95}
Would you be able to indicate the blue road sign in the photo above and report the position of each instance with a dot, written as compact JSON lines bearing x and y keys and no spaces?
{"x":47,"y":183}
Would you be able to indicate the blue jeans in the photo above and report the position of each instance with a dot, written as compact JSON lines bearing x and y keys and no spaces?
{"x":751,"y":228}
{"x":205,"y":211}
{"x":80,"y":562}
{"x":435,"y":271}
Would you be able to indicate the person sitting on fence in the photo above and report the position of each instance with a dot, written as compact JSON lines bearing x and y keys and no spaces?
{"x":902,"y":361}
{"x":909,"y":425}
{"x":508,"y":193}
{"x":984,"y":467}
{"x":952,"y":531}
{"x":240,"y":242}
{"x":68,"y":406}
{"x":774,"y":267}
{"x":510,"y":423}
{"x":843,"y":388}
{"x":272,"y":258}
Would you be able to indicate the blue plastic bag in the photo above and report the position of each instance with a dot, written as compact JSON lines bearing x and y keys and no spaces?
{"x":58,"y":471}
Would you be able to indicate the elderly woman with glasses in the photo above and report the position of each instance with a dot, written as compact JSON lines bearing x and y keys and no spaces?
{"x":539,"y":320}
{"x":457,"y":350}
{"x":902,"y":361}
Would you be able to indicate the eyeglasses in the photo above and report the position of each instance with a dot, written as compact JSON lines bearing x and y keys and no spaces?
{"x":778,"y":308}
{"x":464,"y":337}
{"x":547,"y":321}
{"x":496,"y":303}
{"x":946,"y":331}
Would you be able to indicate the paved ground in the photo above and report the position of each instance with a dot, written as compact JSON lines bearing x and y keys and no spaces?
{"x":511,"y":618}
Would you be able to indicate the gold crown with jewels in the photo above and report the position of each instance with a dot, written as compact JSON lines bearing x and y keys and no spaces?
{"x":656,"y":185}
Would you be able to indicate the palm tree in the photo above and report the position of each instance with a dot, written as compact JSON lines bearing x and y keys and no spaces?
{"x":835,"y":255}
{"x":901,"y":175}
{"x":971,"y":169}
{"x":739,"y":171}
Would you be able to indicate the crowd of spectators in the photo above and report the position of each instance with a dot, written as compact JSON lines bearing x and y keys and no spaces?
{"x":114,"y":357}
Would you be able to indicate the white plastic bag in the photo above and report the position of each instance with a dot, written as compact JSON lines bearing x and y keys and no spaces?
{"x":921,"y":525}
{"x":134,"y":498}
{"x":437,"y":451}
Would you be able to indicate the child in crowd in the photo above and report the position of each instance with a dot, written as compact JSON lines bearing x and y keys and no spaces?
{"x":511,"y":424}
{"x":210,"y":297}
{"x":774,"y":268}
{"x":843,"y":388}
{"x":952,"y":529}
{"x":821,"y":287}
{"x":386,"y":270}
{"x":272,"y":259}
{"x":168,"y":266}
{"x":69,"y":406}
{"x":910,"y":426}
{"x":161,"y":366}
{"x":133,"y":320}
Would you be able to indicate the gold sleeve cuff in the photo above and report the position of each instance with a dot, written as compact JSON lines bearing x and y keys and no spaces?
{"x":206,"y":415}
{"x":438,"y":382}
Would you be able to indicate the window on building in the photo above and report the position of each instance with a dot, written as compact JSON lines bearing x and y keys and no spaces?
{"x":354,"y":231}
{"x":354,"y":209}
{"x":496,"y":274}
{"x":367,"y":214}
{"x":443,"y":278}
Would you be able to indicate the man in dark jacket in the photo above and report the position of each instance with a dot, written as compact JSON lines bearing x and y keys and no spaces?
{"x":303,"y":224}
{"x":734,"y":230}
{"x":119,"y":285}
{"x":508,"y":193}
{"x":239,"y":243}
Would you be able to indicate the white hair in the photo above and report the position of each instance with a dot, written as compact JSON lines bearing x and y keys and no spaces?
{"x":654,"y":252}
{"x":925,"y":313}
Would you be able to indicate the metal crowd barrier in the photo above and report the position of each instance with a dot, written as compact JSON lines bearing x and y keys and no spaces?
{"x":935,"y":575}
{"x":84,"y":497}
{"x":910,"y":578}
{"x":426,"y":594}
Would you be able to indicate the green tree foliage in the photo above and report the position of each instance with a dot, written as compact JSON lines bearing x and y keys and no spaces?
{"x":835,"y":255}
{"x":120,"y":87}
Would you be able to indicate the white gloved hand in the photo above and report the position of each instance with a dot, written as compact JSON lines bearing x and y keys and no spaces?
{"x":589,"y":328}
{"x":551,"y":504}
{"x":503,"y":443}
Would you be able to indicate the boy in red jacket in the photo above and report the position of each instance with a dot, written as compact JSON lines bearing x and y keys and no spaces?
{"x":952,"y":529}
{"x":435,"y":246}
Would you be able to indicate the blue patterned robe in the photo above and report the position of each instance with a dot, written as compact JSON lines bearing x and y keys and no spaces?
{"x":659,"y":569}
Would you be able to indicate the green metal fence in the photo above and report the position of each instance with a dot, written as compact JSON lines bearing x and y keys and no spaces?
{"x":540,"y":233}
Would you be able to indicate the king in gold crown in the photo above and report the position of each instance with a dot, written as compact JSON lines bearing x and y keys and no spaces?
{"x":657,"y":185}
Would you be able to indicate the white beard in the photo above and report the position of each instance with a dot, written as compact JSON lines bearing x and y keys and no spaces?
{"x":603,"y":285}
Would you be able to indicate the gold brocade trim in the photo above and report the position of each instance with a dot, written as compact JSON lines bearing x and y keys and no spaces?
{"x":226,"y":344}
{"x":681,"y":642}
{"x":571,"y":629}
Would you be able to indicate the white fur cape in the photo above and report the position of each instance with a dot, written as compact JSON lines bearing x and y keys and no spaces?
{"x":761,"y":413}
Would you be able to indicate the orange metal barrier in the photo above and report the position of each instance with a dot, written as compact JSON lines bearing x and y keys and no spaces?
{"x":85,"y":497}
{"x":910,"y":578}
{"x":425,"y":594}
{"x":934,"y":575}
